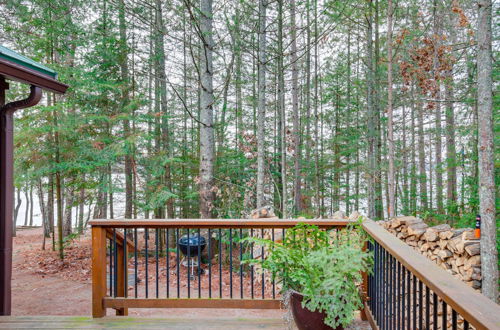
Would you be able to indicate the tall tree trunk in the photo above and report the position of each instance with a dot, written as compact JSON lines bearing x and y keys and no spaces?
{"x":207,"y":154}
{"x":451,"y":161}
{"x":125,"y":103}
{"x":421,"y":158}
{"x":379,"y":207}
{"x":18,"y":205}
{"x":437,"y":96}
{"x":487,"y":208}
{"x":81,"y":205}
{"x":31,"y":206}
{"x":390,"y":119}
{"x":165,"y":129}
{"x":297,"y":187}
{"x":26,"y":211}
{"x":262,"y":61}
{"x":67,"y":226}
{"x":372,"y":136}
{"x":282,"y":114}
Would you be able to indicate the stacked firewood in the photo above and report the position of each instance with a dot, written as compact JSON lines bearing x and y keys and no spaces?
{"x":455,"y":250}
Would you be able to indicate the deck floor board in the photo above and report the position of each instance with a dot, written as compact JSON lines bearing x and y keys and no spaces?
{"x":113,"y":322}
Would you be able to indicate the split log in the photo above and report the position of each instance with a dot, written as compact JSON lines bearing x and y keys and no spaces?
{"x":473,"y":249}
{"x":432,"y":233}
{"x":472,"y":261}
{"x":446,"y":234}
{"x":442,"y":243}
{"x":462,"y":244}
{"x":445,"y":254}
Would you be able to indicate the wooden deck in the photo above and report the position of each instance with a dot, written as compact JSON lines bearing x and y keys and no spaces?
{"x":117,"y":322}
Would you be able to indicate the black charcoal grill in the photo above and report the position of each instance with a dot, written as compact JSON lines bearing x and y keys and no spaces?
{"x":192,"y":247}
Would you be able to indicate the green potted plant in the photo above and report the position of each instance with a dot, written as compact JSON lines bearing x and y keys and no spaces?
{"x":319,"y":272}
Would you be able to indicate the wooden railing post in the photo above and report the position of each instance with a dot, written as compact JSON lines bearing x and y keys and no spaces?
{"x":98,"y":271}
{"x":122,"y":274}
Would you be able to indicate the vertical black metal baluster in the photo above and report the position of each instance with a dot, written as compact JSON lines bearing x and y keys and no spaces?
{"x":453,"y":319}
{"x":408,"y":299}
{"x":125,"y":270}
{"x":189,"y":264}
{"x":398,"y":297}
{"x":420,"y":302}
{"x":370,"y":282}
{"x":386,"y":289}
{"x":156,"y":260}
{"x":251,"y":266}
{"x":427,"y":308}
{"x":403,"y":298}
{"x":466,"y":325}
{"x":262,"y":256}
{"x":381,"y":286}
{"x":177,"y":262}
{"x":377,"y":284}
{"x":444,"y":325}
{"x":220,"y":263}
{"x":274,"y":282}
{"x":146,"y":236}
{"x":393,"y":286}
{"x":115,"y":270}
{"x":135,"y":262}
{"x":435,"y":310}
{"x":230,"y":263}
{"x":414,"y":291}
{"x":199,"y":265}
{"x":241,"y":266}
{"x":390,"y":289}
{"x":209,"y":263}
{"x":110,"y":268}
{"x":167,"y":260}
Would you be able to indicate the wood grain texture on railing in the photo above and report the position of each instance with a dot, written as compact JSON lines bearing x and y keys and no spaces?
{"x":474,"y":307}
{"x":215,"y":223}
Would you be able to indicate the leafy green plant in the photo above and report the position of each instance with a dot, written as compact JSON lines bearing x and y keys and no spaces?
{"x":324,"y":266}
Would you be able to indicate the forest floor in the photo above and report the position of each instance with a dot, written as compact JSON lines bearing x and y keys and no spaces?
{"x":44,"y":285}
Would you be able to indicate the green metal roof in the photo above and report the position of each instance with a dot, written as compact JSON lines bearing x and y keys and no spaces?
{"x":17,"y":58}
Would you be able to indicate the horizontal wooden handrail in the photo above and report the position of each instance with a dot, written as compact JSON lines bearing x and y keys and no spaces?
{"x":478,"y":310}
{"x":215,"y":223}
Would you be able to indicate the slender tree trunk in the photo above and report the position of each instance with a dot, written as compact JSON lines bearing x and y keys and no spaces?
{"x":165,"y":129}
{"x":297,"y":187}
{"x":282,"y":114}
{"x":437,"y":96}
{"x":31,"y":206}
{"x":18,"y":204}
{"x":489,"y":256}
{"x":26,"y":211}
{"x":421,"y":158}
{"x":124,"y":107}
{"x":262,"y":62}
{"x":451,"y":161}
{"x":81,"y":205}
{"x":371,"y":155}
{"x":67,"y":226}
{"x":207,"y":143}
{"x":390,"y":119}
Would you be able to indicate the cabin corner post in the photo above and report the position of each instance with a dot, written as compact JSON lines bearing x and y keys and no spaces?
{"x":122,"y":285}
{"x":6,"y":201}
{"x":98,"y":271}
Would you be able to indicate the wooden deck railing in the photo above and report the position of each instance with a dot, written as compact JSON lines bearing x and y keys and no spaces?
{"x":408,"y":291}
{"x":161,"y":280}
{"x":404,"y":290}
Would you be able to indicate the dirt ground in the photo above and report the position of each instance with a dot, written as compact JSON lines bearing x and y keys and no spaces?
{"x":43,"y":285}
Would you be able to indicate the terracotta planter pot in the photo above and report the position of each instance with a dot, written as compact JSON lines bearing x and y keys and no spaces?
{"x":305,"y":319}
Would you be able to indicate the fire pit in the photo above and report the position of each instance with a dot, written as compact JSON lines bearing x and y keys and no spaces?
{"x":192,"y":247}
